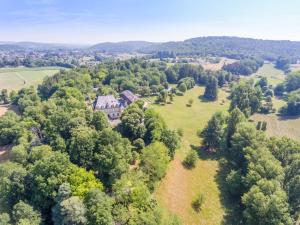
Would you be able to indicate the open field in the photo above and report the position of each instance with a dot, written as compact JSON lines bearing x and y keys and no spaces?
{"x":277,"y":125}
{"x":180,"y":186}
{"x":216,"y":66}
{"x":295,"y":67}
{"x":273,"y":75}
{"x":280,"y":126}
{"x":17,"y":78}
{"x":209,"y":65}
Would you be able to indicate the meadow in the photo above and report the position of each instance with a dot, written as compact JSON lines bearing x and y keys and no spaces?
{"x":17,"y":78}
{"x":277,"y":125}
{"x":180,"y":186}
{"x":273,"y":75}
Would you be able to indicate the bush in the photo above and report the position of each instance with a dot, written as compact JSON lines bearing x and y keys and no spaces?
{"x":180,"y":132}
{"x":198,"y":202}
{"x":190,"y":159}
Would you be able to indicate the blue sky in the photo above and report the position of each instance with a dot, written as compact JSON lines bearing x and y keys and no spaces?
{"x":93,"y":21}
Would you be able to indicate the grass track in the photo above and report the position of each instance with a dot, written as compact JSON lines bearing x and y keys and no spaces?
{"x":178,"y":189}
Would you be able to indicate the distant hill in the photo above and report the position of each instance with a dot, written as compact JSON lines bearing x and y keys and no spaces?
{"x":232,"y":47}
{"x":123,"y":47}
{"x":7,"y":47}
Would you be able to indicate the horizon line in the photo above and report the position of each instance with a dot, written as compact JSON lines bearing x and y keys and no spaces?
{"x":132,"y":40}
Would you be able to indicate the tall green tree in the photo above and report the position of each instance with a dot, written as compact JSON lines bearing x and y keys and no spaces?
{"x":82,"y":146}
{"x":112,"y":156}
{"x":154,"y":161}
{"x":213,"y":133}
{"x":98,"y":208}
{"x":266,"y":203}
{"x":211,"y":89}
{"x":23,"y":213}
{"x":235,"y":117}
{"x":246,"y":97}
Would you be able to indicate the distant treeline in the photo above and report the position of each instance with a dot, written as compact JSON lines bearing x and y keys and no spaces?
{"x":27,"y":62}
{"x":244,"y":67}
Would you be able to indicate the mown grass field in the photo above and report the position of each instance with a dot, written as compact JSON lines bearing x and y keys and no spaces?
{"x":180,"y":186}
{"x":273,"y":75}
{"x":17,"y":78}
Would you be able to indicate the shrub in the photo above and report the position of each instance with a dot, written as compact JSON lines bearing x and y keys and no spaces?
{"x":190,"y":159}
{"x":198,"y":202}
{"x":180,"y":132}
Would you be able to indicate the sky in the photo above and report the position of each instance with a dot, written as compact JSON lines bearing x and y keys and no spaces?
{"x":94,"y":21}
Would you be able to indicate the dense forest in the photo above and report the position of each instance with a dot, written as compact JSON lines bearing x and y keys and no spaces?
{"x":69,"y":166}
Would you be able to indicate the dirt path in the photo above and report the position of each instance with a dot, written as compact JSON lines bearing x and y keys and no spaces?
{"x":174,"y":188}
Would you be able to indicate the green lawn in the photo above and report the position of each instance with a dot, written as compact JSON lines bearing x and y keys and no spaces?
{"x":273,"y":75}
{"x":178,"y":189}
{"x":17,"y":78}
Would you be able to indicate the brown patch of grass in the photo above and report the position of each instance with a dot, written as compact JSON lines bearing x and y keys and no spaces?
{"x":3,"y":109}
{"x":5,"y":153}
{"x":285,"y":126}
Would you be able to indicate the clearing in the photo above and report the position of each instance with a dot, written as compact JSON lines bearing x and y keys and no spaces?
{"x":273,"y":75}
{"x":180,"y":185}
{"x":278,"y":125}
{"x":17,"y":78}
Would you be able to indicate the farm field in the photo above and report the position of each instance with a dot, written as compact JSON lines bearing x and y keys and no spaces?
{"x":180,"y":186}
{"x":273,"y":75}
{"x":17,"y":78}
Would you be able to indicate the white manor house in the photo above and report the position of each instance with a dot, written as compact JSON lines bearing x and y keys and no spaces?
{"x":114,"y":107}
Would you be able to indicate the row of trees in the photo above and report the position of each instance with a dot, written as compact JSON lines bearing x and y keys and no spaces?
{"x":262,"y":173}
{"x":244,"y":66}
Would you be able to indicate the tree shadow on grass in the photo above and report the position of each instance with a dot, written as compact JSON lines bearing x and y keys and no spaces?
{"x":232,"y":206}
{"x":203,"y":99}
{"x":204,"y":154}
{"x":284,"y":117}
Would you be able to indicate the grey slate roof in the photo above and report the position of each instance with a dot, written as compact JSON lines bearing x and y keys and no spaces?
{"x":107,"y":101}
{"x":129,"y":96}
